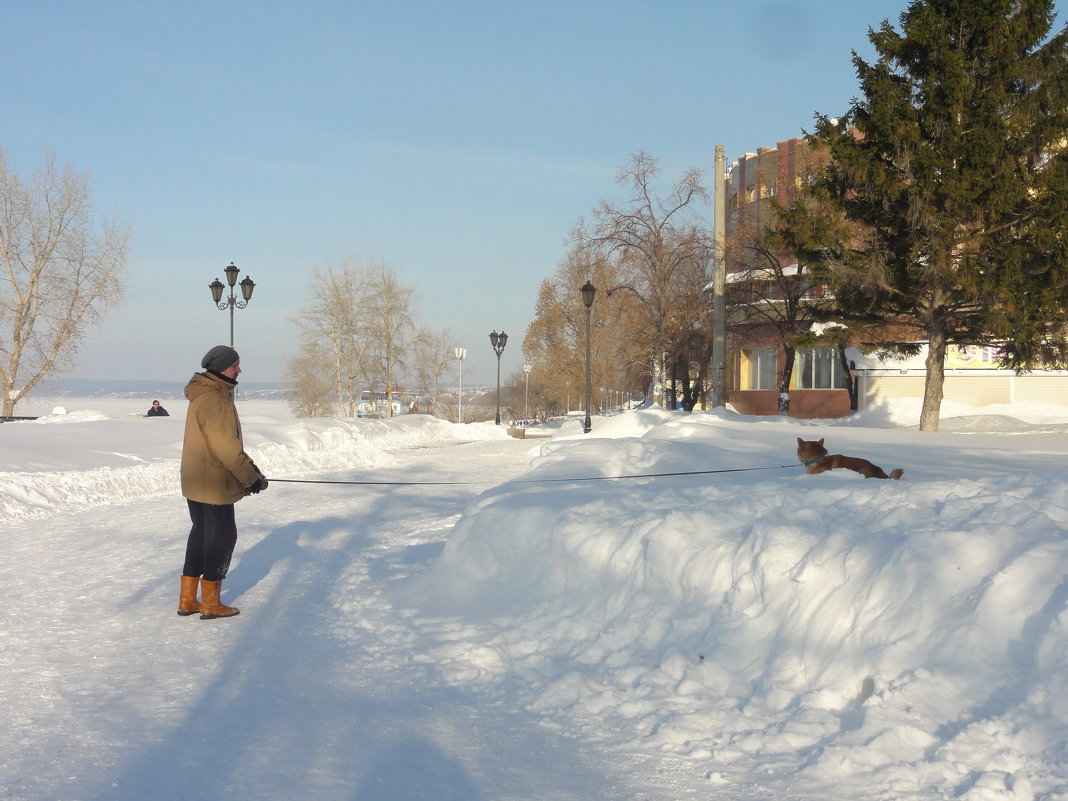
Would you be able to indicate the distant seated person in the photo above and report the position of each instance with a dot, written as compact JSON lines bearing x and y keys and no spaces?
{"x":157,"y":410}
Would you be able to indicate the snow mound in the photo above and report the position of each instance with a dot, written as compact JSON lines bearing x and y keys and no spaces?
{"x":844,"y":632}
{"x":107,"y":459}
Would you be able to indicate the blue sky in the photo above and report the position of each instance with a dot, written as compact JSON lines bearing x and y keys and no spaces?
{"x":458,"y":141}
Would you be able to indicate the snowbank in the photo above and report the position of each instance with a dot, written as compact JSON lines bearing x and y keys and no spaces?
{"x":103,"y":457}
{"x":842,"y":634}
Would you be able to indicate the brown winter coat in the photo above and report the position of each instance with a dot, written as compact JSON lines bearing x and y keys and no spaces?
{"x":215,"y":467}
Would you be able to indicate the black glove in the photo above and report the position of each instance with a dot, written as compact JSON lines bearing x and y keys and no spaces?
{"x":259,"y":486}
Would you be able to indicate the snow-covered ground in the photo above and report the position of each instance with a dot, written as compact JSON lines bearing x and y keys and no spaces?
{"x":487,"y":618}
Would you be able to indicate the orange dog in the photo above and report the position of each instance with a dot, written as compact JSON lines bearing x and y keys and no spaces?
{"x":814,"y":457}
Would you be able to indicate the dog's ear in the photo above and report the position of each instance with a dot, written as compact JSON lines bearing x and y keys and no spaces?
{"x":800,"y":442}
{"x":821,"y":442}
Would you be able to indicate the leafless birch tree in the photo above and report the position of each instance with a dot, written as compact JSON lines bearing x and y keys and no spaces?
{"x":390,"y":327}
{"x":309,"y":373}
{"x":356,"y":333}
{"x":432,"y":356}
{"x":60,"y":270}
{"x":334,"y":340}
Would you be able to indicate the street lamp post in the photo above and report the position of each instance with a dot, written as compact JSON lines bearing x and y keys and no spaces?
{"x":231,"y":302}
{"x":498,"y":341}
{"x":588,"y":291}
{"x":526,"y":392}
{"x":461,"y":354}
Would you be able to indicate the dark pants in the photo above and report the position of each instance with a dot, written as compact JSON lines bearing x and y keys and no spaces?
{"x":211,"y":540}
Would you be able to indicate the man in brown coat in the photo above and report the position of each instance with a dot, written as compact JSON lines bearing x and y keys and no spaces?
{"x":216,"y":474}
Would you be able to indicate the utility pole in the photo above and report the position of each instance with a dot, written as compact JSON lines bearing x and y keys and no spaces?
{"x":719,"y":282}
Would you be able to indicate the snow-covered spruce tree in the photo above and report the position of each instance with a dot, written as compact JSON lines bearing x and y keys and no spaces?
{"x":953,"y":169}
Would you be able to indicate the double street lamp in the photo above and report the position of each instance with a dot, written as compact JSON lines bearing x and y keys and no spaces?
{"x":231,"y":302}
{"x":498,"y":341}
{"x":588,"y":291}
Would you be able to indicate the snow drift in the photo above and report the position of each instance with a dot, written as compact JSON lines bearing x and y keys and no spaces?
{"x":845,"y":633}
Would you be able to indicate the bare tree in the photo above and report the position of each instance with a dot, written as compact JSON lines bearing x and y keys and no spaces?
{"x":662,"y":250}
{"x":431,"y":358}
{"x":390,"y":327}
{"x":334,"y":338}
{"x":312,"y":393}
{"x":356,"y":335}
{"x":61,"y":269}
{"x":554,"y":343}
{"x":771,"y":296}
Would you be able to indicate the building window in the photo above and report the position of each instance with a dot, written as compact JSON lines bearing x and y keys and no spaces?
{"x":819,"y":368}
{"x":762,"y":368}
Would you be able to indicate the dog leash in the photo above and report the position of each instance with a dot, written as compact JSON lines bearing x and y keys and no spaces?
{"x":531,"y":480}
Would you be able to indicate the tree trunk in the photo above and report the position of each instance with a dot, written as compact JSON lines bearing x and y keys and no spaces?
{"x":670,"y":397}
{"x":7,"y":405}
{"x":784,"y":381}
{"x":689,"y":397}
{"x":659,"y":375}
{"x":936,"y":371}
{"x":850,"y":377}
{"x":389,"y":383}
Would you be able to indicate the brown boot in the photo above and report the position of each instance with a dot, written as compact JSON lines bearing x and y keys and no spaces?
{"x":210,"y":605}
{"x":187,"y":597}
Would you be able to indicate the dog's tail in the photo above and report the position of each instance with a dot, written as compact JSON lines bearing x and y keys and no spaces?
{"x":897,"y":472}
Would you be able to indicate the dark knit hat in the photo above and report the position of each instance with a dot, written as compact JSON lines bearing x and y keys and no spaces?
{"x":219,"y":358}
